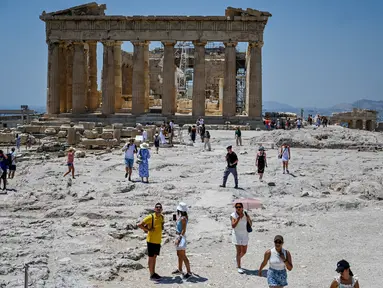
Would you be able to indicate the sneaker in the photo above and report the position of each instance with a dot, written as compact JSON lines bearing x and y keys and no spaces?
{"x":287,"y":171}
{"x":223,"y":186}
{"x":240,"y":271}
{"x":284,"y":172}
{"x":126,"y":175}
{"x":155,"y":276}
{"x":129,"y":179}
{"x":177,"y":272}
{"x":235,"y":187}
{"x":188,"y":275}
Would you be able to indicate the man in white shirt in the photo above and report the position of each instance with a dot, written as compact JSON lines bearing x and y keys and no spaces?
{"x":129,"y":148}
{"x":144,"y":135}
{"x":12,"y":167}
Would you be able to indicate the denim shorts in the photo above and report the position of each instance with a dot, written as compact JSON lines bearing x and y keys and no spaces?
{"x":129,"y":162}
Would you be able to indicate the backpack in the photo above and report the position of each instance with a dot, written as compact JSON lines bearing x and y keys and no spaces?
{"x":9,"y":160}
{"x":153,"y":222}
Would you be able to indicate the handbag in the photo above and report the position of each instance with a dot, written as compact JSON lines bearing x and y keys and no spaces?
{"x":248,"y":225}
{"x":139,"y":158}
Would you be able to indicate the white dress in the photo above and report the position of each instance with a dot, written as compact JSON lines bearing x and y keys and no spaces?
{"x":162,"y":136}
{"x":240,"y":236}
{"x":285,"y":154}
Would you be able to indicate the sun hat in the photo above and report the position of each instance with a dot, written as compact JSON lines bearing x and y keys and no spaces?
{"x":71,"y":149}
{"x":144,"y":145}
{"x":182,"y":207}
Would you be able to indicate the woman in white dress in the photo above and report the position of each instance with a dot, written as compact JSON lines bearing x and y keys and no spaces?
{"x":284,"y":154}
{"x":240,"y":236}
{"x":162,"y":135}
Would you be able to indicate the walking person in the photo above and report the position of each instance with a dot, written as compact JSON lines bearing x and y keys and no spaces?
{"x":70,"y":161}
{"x":143,"y":167}
{"x":180,"y":242}
{"x":285,"y":155}
{"x":144,"y":135}
{"x":153,"y":224}
{"x":18,"y":142}
{"x":162,"y":135}
{"x":3,"y":169}
{"x":202,"y":132}
{"x":346,"y":278}
{"x":130,"y":149}
{"x":299,"y":123}
{"x":207,"y":141}
{"x":157,"y":142}
{"x":238,"y":136}
{"x":231,"y":168}
{"x":171,"y":132}
{"x":12,"y":166}
{"x":261,"y":162}
{"x":193,"y":133}
{"x":28,"y":142}
{"x":240,"y":236}
{"x":279,"y":260}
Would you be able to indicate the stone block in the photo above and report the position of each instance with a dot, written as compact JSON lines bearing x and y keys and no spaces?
{"x":107,"y":134}
{"x":34,"y":129}
{"x":62,"y":134}
{"x":7,"y":138}
{"x":50,"y":131}
{"x":99,"y":130}
{"x":100,"y":124}
{"x":79,"y":154}
{"x":23,"y":139}
{"x":87,"y":125}
{"x":71,"y":136}
{"x":90,"y":134}
{"x":117,"y":134}
{"x":99,"y":142}
{"x":64,"y":127}
{"x":117,"y":125}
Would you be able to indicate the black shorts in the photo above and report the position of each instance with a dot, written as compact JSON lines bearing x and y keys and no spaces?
{"x":12,"y":168}
{"x":153,"y":249}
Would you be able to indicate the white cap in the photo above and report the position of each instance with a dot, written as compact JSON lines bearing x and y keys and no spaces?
{"x":182,"y":207}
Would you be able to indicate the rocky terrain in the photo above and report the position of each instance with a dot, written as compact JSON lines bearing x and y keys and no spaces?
{"x":83,"y":233}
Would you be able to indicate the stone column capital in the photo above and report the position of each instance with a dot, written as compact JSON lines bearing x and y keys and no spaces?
{"x":169,"y":43}
{"x":108,"y":43}
{"x":230,"y":44}
{"x":256,"y":44}
{"x":78,"y":42}
{"x":140,"y":42}
{"x":199,"y":43}
{"x":91,"y":42}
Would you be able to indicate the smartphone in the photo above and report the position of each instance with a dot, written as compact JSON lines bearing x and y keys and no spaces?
{"x":174,"y":217}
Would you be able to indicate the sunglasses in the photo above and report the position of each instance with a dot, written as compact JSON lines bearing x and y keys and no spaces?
{"x":158,"y":207}
{"x":278,"y":242}
{"x":238,"y":207}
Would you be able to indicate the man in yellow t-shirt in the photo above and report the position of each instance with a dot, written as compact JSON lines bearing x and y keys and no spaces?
{"x":153,"y":225}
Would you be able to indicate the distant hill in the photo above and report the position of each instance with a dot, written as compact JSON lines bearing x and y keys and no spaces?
{"x":368,"y":104}
{"x":273,"y":106}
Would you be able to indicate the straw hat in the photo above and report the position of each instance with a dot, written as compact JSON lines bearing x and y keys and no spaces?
{"x":71,"y":149}
{"x":182,"y":207}
{"x":144,"y":146}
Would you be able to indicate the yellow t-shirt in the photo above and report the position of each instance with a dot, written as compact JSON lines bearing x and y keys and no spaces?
{"x":154,"y":236}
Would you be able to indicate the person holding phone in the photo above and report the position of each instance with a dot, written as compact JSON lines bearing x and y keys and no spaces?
{"x":279,"y":260}
{"x":180,"y":241}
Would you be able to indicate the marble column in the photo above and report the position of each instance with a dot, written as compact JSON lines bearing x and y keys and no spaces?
{"x":198,"y":101}
{"x":254,"y":80}
{"x":138,"y":89}
{"x":353,"y":123}
{"x":364,"y":124}
{"x":93,"y":101}
{"x":127,"y":74}
{"x":63,"y":78}
{"x":108,"y":79}
{"x":86,"y":75}
{"x":229,"y":105}
{"x":78,"y":85}
{"x":53,"y":89}
{"x":146,"y":76}
{"x":117,"y":75}
{"x":168,"y":75}
{"x":220,"y":93}
{"x":69,"y":76}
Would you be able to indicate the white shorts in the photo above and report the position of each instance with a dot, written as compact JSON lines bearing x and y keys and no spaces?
{"x":240,"y":239}
{"x":182,"y":245}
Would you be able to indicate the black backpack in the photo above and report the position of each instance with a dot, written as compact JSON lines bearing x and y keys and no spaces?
{"x":9,"y":159}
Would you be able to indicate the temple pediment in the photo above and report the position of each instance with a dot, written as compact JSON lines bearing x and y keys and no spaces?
{"x":92,"y":9}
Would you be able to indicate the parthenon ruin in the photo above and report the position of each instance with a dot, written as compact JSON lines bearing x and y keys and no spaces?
{"x":72,"y":37}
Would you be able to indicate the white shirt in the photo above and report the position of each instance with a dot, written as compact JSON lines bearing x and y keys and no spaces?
{"x":241,"y":228}
{"x":171,"y":124}
{"x":275,"y":261}
{"x":13,"y":155}
{"x":129,"y":152}
{"x":145,"y":135}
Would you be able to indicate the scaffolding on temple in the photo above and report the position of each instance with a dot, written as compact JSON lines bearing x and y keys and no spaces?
{"x":182,"y":52}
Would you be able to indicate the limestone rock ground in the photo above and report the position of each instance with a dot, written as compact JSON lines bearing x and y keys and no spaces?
{"x":84,"y":234}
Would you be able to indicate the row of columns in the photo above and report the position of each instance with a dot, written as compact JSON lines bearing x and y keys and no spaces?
{"x":72,"y":78}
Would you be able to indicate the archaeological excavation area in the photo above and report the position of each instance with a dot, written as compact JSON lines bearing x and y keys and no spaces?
{"x":195,"y":71}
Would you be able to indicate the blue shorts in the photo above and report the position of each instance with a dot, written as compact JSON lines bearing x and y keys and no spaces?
{"x":69,"y":164}
{"x":129,"y":162}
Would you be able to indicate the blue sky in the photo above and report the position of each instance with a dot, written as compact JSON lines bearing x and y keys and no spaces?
{"x":316,"y":53}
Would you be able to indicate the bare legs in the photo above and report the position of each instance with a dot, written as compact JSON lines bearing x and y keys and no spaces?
{"x":128,"y":171}
{"x":183,"y":259}
{"x":241,"y":251}
{"x":285,"y":166}
{"x":70,"y":169}
{"x":152,"y":264}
